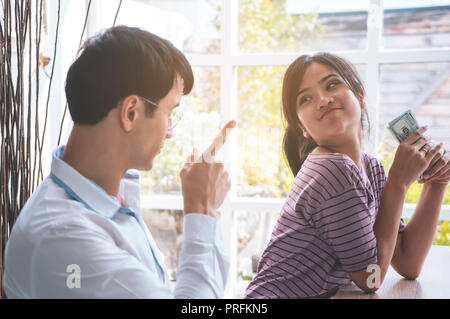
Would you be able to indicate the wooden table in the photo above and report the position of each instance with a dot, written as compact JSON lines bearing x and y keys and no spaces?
{"x":433,"y":281}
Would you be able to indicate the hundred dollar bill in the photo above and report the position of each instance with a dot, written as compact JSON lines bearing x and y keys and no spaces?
{"x":403,"y":125}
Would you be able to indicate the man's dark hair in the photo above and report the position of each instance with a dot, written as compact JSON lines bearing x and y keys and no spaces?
{"x":119,"y":62}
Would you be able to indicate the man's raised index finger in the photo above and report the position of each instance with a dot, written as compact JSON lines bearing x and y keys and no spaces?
{"x":218,"y":141}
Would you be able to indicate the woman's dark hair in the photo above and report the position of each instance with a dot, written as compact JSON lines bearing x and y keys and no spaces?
{"x":119,"y":62}
{"x":296,"y":147}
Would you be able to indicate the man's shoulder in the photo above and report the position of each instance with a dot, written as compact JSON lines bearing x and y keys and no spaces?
{"x":48,"y":206}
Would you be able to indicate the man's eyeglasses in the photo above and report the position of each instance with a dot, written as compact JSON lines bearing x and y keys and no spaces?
{"x":175,"y":116}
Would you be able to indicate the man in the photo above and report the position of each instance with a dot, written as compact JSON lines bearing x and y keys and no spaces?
{"x":81,"y":234}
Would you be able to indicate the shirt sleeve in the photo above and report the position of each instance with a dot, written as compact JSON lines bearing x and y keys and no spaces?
{"x":203,"y":264}
{"x":74,"y":261}
{"x":344,"y":223}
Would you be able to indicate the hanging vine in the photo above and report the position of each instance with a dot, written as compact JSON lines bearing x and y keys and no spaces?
{"x":20,"y":145}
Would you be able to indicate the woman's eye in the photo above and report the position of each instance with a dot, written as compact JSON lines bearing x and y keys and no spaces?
{"x":332,"y":84}
{"x":304,"y":99}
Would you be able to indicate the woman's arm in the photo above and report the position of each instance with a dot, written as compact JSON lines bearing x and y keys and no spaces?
{"x":408,"y":164}
{"x":414,"y":243}
{"x":385,"y":230}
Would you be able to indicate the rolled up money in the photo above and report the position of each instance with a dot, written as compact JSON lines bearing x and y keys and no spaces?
{"x":402,"y":126}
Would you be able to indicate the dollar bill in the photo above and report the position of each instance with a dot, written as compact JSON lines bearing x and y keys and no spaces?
{"x":402,"y":126}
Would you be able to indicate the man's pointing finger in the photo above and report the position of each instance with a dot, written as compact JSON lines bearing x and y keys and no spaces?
{"x":218,"y":142}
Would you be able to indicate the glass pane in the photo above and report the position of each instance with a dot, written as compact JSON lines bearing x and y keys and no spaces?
{"x":425,"y":89}
{"x":254,"y":232}
{"x":442,"y":234}
{"x":261,"y":168}
{"x":198,"y":127}
{"x":290,"y":25}
{"x":416,"y":24}
{"x":191,"y":25}
{"x":166,"y":227}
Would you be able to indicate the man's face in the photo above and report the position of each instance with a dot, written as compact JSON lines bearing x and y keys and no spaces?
{"x":152,"y":131}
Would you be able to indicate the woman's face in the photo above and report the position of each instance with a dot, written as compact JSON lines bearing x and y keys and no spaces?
{"x":328,"y":110}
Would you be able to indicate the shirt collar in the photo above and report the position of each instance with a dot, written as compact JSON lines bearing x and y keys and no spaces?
{"x":83,"y":189}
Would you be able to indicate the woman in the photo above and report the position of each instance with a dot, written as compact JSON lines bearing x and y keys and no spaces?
{"x":342,"y":218}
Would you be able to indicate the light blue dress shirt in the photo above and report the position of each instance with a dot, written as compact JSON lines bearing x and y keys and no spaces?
{"x":73,"y":240}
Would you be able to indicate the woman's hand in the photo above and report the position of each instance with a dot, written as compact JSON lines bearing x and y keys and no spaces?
{"x":439,"y":168}
{"x":411,"y":159}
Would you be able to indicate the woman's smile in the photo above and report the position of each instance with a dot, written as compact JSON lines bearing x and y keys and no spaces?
{"x":330,"y":111}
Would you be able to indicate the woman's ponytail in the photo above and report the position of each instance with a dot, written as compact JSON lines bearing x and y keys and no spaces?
{"x":296,"y":148}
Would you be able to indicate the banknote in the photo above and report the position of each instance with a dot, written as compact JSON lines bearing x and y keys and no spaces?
{"x":403,"y":125}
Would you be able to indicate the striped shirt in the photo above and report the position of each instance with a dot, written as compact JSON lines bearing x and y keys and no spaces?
{"x":325,"y":229}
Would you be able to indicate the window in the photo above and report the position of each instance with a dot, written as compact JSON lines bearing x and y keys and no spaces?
{"x":423,"y":88}
{"x":239,"y":50}
{"x":424,"y":24}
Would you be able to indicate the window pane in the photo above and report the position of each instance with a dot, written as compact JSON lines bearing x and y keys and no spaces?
{"x":199,"y":125}
{"x":191,"y":25}
{"x":290,"y":25}
{"x":425,"y":89}
{"x":166,"y":227}
{"x":254,"y":231}
{"x":261,"y":167}
{"x":418,"y":24}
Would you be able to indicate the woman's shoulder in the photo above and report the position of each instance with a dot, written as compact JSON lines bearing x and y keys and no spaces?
{"x":374,"y":169}
{"x":326,"y":162}
{"x":331,"y":171}
{"x":371,"y":160}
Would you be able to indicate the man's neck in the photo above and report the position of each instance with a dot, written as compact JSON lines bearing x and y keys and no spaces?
{"x":96,"y":158}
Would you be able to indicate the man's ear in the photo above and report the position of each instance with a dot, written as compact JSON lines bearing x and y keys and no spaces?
{"x":128,"y":112}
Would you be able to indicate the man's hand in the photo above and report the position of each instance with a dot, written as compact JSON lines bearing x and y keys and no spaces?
{"x":204,"y":182}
